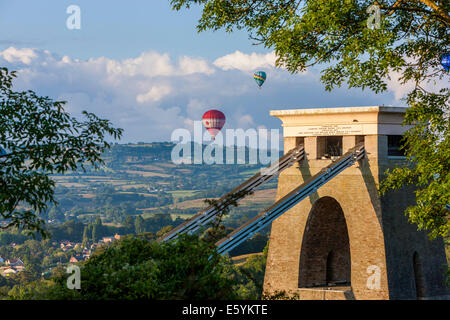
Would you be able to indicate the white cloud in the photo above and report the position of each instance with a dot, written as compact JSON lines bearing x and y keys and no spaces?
{"x":156,"y":93}
{"x":196,"y":107}
{"x":246,"y":121}
{"x":13,"y":55}
{"x":153,"y":64}
{"x":401,"y":90}
{"x":246,"y":62}
{"x":149,"y":64}
{"x":189,"y":65}
{"x":153,"y":94}
{"x":129,"y":92}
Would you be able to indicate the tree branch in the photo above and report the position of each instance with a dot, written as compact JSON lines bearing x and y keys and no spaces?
{"x":437,"y":11}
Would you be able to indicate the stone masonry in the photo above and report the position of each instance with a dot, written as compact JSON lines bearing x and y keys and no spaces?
{"x":344,"y":241}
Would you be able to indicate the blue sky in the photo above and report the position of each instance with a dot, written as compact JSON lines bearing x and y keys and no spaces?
{"x":144,"y":67}
{"x":116,"y":29}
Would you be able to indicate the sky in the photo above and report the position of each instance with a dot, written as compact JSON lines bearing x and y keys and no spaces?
{"x":143,"y":66}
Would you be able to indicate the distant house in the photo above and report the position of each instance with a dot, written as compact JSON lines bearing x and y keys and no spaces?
{"x":111,"y":239}
{"x":86,"y":255}
{"x":67,"y":245}
{"x":15,"y":263}
{"x":8,"y":271}
{"x":19,"y":268}
{"x":73,"y":259}
{"x":107,"y":239}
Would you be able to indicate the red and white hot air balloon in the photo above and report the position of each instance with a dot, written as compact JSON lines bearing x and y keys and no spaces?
{"x":213,"y":120}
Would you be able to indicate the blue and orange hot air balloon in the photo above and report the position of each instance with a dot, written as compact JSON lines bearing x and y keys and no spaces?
{"x":213,"y":120}
{"x":445,"y":61}
{"x":260,"y":77}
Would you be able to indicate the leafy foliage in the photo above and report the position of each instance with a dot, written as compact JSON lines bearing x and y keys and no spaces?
{"x":428,"y":150}
{"x":40,"y":138}
{"x":136,"y":268}
{"x":217,"y":229}
{"x":250,"y":276}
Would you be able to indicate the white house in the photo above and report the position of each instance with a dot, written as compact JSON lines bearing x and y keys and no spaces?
{"x":7,"y":272}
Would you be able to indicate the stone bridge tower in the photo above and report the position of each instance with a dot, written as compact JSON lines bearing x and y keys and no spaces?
{"x":345,"y":242}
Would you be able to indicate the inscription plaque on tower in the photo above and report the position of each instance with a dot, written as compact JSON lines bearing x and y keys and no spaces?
{"x":329,"y":130}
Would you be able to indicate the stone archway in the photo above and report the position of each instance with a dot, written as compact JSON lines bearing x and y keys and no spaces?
{"x":325,"y":252}
{"x":418,"y":276}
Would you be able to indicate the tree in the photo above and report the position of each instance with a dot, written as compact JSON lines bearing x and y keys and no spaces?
{"x":129,"y":224}
{"x":32,"y":270}
{"x":135,"y":268}
{"x":35,"y":290}
{"x":98,"y":221}
{"x":85,"y":239}
{"x":428,"y":152}
{"x":38,"y":138}
{"x":217,"y":229}
{"x":55,"y":213}
{"x":139,"y":224}
{"x":355,"y":50}
{"x":95,"y":233}
{"x":250,"y":276}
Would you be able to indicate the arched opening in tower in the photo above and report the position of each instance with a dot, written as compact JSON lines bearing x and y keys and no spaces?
{"x":418,"y":276}
{"x":325,"y":253}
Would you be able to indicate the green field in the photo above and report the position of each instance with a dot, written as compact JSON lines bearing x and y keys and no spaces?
{"x":141,"y":179}
{"x":183,"y":193}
